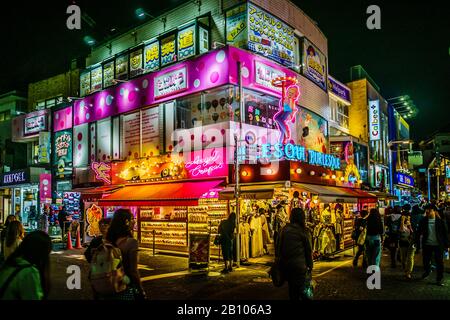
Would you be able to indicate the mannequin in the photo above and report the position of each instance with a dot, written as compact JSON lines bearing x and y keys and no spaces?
{"x":244,"y":231}
{"x":265,"y":230}
{"x":257,"y":238}
{"x":339,"y":225}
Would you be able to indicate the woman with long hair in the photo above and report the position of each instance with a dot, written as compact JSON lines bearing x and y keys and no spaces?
{"x":25,"y":274}
{"x":120,"y":234}
{"x":375,"y":232}
{"x":295,"y":253}
{"x":14,"y":235}
{"x":8,"y":220}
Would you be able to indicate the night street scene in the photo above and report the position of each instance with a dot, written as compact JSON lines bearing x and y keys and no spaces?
{"x":240,"y":151}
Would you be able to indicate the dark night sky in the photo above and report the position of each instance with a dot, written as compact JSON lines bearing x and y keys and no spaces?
{"x":409,"y":55}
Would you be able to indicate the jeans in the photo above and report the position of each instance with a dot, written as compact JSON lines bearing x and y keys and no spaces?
{"x":428,"y":252}
{"x":407,"y":257}
{"x":360,"y":252}
{"x":373,"y":250}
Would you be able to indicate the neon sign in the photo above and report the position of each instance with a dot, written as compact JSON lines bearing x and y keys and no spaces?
{"x":374,"y":120}
{"x":204,"y":166}
{"x":293,"y":152}
{"x":101,"y":170}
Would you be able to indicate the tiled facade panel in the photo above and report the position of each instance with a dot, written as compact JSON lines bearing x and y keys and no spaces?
{"x":358,"y":113}
{"x":313,"y":98}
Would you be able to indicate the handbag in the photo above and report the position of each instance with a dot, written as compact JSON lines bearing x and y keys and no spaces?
{"x":276,"y":273}
{"x":217,"y":240}
{"x":362,"y":237}
{"x":308,"y":290}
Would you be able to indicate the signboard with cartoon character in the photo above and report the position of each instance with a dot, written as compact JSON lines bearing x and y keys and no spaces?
{"x":63,"y":153}
{"x":93,"y":215}
{"x":311,"y":130}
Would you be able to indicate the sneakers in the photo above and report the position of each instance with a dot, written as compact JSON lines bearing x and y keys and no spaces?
{"x":440,"y":283}
{"x":425,"y":275}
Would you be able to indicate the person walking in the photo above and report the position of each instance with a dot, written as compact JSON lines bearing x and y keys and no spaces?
{"x":393,"y":234}
{"x":14,"y":236}
{"x":360,"y":225}
{"x":279,"y":221}
{"x":25,"y":274}
{"x":432,"y":237}
{"x":295,"y":253}
{"x":103,"y":225}
{"x":9,"y":219}
{"x":406,"y":242}
{"x":62,"y":218}
{"x":226,"y":232}
{"x":374,"y":238}
{"x":120,"y":234}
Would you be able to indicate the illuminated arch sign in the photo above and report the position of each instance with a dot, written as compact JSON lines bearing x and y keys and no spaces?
{"x":294,"y":152}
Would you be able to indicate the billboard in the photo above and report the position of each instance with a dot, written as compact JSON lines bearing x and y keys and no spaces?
{"x":314,"y":64}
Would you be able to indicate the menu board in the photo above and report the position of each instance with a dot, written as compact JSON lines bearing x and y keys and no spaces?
{"x":122,"y":67}
{"x":269,"y":36}
{"x":131,"y":134}
{"x":168,"y":54}
{"x":85,"y":83}
{"x":104,"y":140}
{"x":186,"y":42}
{"x":150,"y":132}
{"x":151,"y":56}
{"x":136,"y":63}
{"x":108,"y":74}
{"x":96,"y":79}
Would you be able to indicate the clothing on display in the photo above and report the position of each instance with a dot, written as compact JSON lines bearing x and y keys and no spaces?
{"x":257,"y":246}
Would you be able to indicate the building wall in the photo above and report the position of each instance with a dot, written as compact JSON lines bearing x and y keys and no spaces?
{"x":358,"y":113}
{"x":65,"y":84}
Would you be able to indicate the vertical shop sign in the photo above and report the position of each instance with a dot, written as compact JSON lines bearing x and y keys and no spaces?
{"x":236,"y":25}
{"x":96,"y":79}
{"x":150,"y":132}
{"x":45,"y":187}
{"x":122,"y":67}
{"x":315,"y":65}
{"x":108,"y":74}
{"x":85,"y":83}
{"x":269,"y":36}
{"x":374,"y":120}
{"x":44,"y":147}
{"x":151,"y":54}
{"x":81,"y":146}
{"x":186,"y":42}
{"x":136,"y":63}
{"x":63,"y":153}
{"x":168,"y":53}
{"x":131,"y":134}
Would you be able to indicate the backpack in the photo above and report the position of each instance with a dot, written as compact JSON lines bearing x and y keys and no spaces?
{"x":107,"y":275}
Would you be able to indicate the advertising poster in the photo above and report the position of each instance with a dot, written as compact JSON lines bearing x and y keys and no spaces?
{"x":168,"y":54}
{"x":131,"y":136}
{"x":93,"y":214}
{"x":186,"y":42}
{"x":236,"y":26}
{"x":374,"y":120}
{"x":81,"y":145}
{"x":108,"y":74}
{"x":44,"y":147}
{"x":315,"y":65}
{"x":198,"y":250}
{"x":265,"y":74}
{"x":104,"y":140}
{"x":45,"y":187}
{"x":311,"y":130}
{"x":122,"y":67}
{"x":85,"y":84}
{"x":150,"y":132}
{"x":63,"y":153}
{"x":151,"y":54}
{"x":269,"y":36}
{"x":96,"y":79}
{"x":136,"y":63}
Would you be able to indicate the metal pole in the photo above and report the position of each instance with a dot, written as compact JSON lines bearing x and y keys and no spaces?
{"x":429,"y":184}
{"x":154,"y":233}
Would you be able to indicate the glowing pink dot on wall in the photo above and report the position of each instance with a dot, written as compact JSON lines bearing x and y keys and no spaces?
{"x":68,"y":111}
{"x":132,"y":96}
{"x":80,"y":136}
{"x":214,"y":77}
{"x":79,"y":147}
{"x":61,"y":124}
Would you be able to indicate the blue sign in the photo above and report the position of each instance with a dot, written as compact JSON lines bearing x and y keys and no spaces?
{"x":447,"y":172}
{"x":293,"y":152}
{"x":405,"y":179}
{"x":338,"y":89}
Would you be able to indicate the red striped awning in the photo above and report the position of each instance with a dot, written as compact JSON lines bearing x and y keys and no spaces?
{"x":160,"y":194}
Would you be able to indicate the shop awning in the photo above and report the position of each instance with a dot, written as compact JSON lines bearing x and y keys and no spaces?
{"x":96,"y":192}
{"x":254,"y":192}
{"x":329,"y":194}
{"x":383,"y":195}
{"x":160,"y":194}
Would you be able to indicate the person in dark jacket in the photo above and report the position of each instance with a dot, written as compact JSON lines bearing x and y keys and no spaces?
{"x":374,"y":237}
{"x":432,"y":237}
{"x":62,"y":218}
{"x":295,"y":253}
{"x":103,"y":225}
{"x":226,"y":231}
{"x":360,"y":224}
